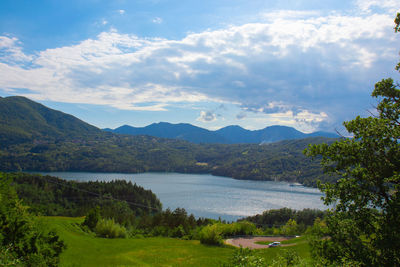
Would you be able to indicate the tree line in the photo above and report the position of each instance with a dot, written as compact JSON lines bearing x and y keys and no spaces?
{"x":281,"y":161}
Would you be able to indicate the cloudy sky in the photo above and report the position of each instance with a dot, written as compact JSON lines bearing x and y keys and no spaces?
{"x":309,"y":64}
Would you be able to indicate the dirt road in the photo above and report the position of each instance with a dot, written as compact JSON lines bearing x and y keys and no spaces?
{"x":250,"y":242}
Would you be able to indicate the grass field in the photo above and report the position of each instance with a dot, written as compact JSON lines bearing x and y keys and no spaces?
{"x":299,"y":245}
{"x":84,"y":249}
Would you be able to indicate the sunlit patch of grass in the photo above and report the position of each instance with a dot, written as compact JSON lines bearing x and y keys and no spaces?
{"x":84,"y":249}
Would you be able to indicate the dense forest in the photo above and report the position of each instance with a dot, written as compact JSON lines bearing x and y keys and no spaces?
{"x":47,"y":195}
{"x":130,"y":154}
{"x":277,"y":217}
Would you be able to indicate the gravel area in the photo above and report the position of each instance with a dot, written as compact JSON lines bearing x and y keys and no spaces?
{"x":250,"y":242}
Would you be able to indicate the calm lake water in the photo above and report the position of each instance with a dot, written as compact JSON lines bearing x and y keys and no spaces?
{"x":210,"y":196}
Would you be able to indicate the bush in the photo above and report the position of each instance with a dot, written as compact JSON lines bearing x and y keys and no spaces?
{"x":7,"y":258}
{"x":290,"y":228}
{"x":237,"y":228}
{"x":287,"y":258}
{"x":211,"y":235}
{"x":245,"y":228}
{"x":109,"y":229}
{"x":92,"y":218}
{"x":178,"y":232}
{"x":245,"y":257}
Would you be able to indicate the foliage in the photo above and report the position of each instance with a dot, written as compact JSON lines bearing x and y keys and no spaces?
{"x":245,"y":257}
{"x":211,"y":235}
{"x":364,"y":225}
{"x":118,"y":199}
{"x":279,"y":217}
{"x":175,"y":223}
{"x":281,"y":161}
{"x":287,"y":258}
{"x":108,"y":228}
{"x":23,"y":239}
{"x":7,"y":258}
{"x":290,"y":228}
{"x":92,"y":218}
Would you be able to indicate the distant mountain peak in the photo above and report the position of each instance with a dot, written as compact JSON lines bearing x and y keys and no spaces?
{"x":232,"y":134}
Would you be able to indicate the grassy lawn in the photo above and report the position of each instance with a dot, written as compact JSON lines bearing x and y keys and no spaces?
{"x":270,"y":254}
{"x":299,"y":245}
{"x":86,"y":250}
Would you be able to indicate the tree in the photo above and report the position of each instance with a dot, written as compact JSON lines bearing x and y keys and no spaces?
{"x":24,"y":241}
{"x":92,"y":218}
{"x":363,"y":227}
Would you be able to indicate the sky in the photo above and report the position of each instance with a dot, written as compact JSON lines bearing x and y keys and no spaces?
{"x":307,"y":64}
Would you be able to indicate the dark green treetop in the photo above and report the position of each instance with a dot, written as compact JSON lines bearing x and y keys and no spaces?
{"x":364,"y":224}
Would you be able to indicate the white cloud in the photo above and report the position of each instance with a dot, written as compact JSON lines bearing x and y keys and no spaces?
{"x":367,"y":5}
{"x":157,"y":20}
{"x":290,"y":14}
{"x":299,"y":63}
{"x":11,"y":51}
{"x":207,"y":116}
{"x":121,"y":12}
{"x":305,"y":120}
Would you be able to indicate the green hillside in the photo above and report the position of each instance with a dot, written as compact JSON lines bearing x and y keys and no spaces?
{"x":83,"y":249}
{"x":24,"y":120}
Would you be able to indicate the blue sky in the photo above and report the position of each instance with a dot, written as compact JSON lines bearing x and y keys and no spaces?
{"x":303,"y":63}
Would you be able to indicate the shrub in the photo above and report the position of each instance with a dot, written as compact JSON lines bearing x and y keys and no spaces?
{"x":290,"y":228}
{"x":211,"y":235}
{"x":92,"y":218}
{"x":237,"y":228}
{"x":109,"y":229}
{"x":287,"y":258}
{"x":246,"y":228}
{"x":178,"y":232}
{"x":245,"y":257}
{"x":7,"y":258}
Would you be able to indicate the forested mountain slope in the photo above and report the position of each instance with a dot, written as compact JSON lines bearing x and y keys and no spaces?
{"x":23,"y":120}
{"x":36,"y":138}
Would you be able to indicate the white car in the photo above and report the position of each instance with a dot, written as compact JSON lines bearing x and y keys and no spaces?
{"x":274,"y":244}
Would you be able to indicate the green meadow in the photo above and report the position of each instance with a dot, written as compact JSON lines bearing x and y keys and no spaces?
{"x":84,"y":249}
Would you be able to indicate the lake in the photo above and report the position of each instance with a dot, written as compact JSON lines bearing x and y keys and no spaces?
{"x":210,"y":196}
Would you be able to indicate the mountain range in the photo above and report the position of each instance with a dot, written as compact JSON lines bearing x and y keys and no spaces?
{"x":34,"y":137}
{"x":22,"y":119}
{"x":228,"y":135}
